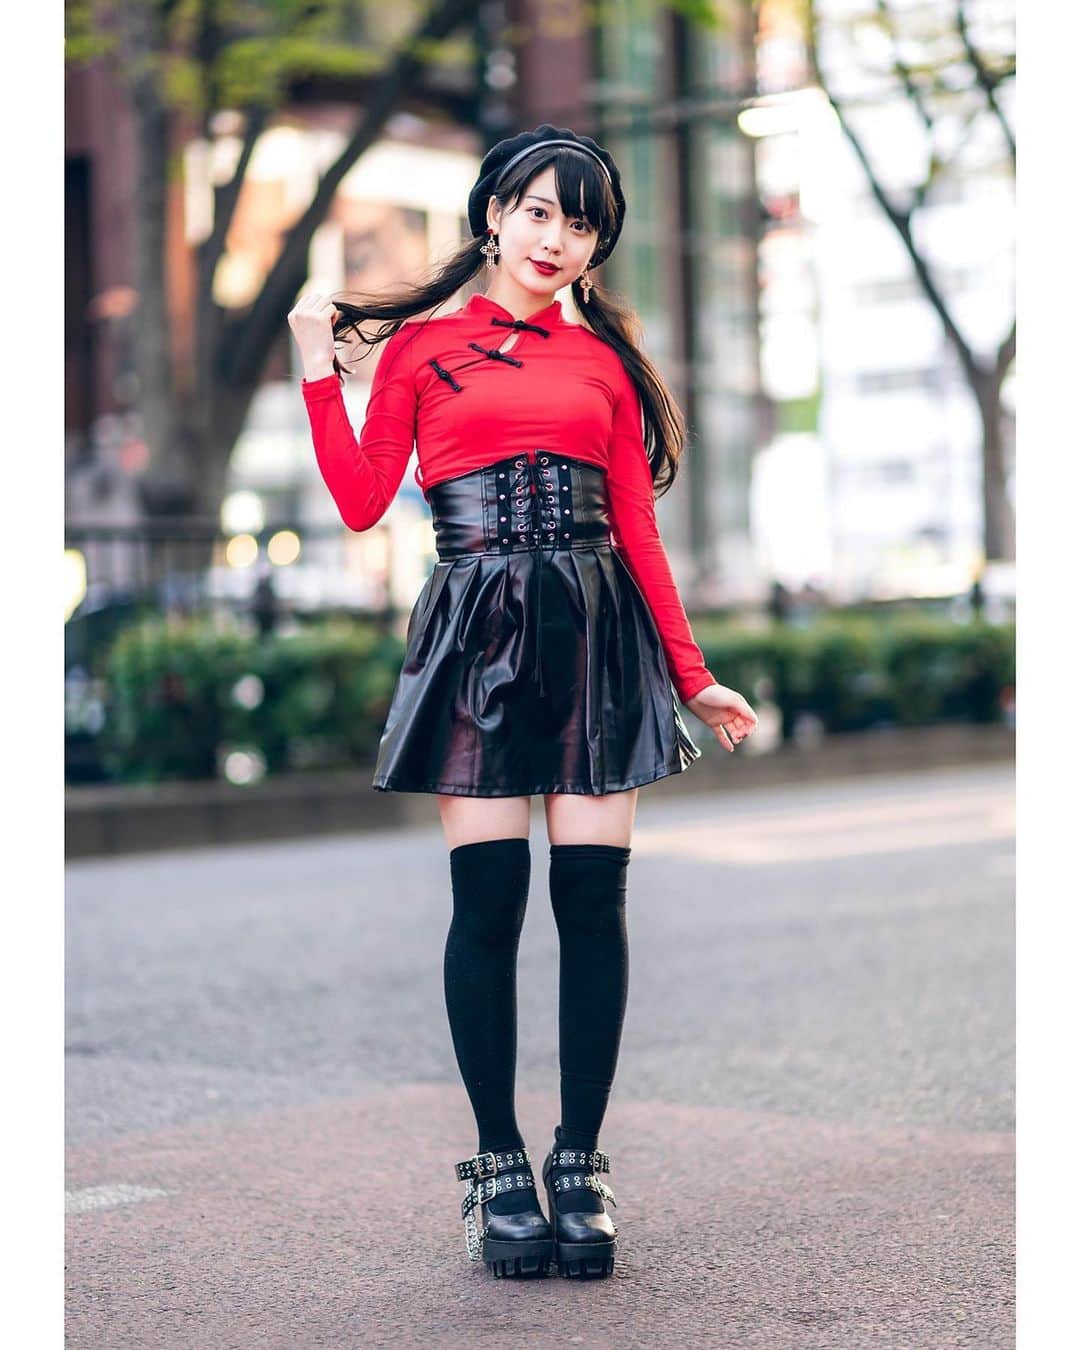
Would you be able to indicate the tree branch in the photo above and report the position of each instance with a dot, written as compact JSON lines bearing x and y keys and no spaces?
{"x":900,"y":219}
{"x":246,"y":340}
{"x":1006,"y":354}
{"x":903,"y":73}
{"x":903,"y":70}
{"x":227,"y":195}
{"x":987,"y":82}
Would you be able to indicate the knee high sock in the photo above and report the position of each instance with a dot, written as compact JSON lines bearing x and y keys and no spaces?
{"x":490,"y":883}
{"x":588,"y":897}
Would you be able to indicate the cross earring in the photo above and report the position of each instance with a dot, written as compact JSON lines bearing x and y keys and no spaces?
{"x":491,"y":249}
{"x":586,"y":285}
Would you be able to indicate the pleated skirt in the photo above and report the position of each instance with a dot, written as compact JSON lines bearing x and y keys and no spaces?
{"x":532,"y":662}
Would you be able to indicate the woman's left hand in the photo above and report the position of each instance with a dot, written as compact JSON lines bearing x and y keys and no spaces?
{"x":725,"y":712}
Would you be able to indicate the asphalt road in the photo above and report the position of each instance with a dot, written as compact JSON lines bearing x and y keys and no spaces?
{"x":811,"y":1130}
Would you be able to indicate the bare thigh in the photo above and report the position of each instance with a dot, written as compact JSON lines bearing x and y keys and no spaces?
{"x":470,"y":820}
{"x":574,"y":818}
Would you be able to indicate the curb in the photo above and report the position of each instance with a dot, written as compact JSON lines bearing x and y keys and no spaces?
{"x":111,"y":820}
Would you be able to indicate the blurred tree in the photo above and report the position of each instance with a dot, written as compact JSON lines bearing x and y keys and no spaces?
{"x":951,"y":63}
{"x":184,"y":62}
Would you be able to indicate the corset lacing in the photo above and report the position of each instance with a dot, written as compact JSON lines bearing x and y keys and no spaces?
{"x":543,"y":520}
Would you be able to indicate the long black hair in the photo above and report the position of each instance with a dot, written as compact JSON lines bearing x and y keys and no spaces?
{"x":578,"y":179}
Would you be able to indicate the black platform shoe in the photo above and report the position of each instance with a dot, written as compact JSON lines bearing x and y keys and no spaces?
{"x":585,"y":1243}
{"x":510,"y":1244}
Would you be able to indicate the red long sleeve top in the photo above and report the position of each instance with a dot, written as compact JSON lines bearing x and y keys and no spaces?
{"x":565,"y":389}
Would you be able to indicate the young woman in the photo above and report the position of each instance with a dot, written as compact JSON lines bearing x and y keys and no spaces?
{"x":541,"y":653}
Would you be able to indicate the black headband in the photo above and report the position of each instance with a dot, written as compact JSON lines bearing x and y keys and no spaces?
{"x":576,"y":145}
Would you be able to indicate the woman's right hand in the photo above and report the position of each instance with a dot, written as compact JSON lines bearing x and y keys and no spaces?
{"x":312,"y":322}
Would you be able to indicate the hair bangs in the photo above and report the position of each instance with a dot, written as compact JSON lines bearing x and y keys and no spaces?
{"x":581,"y":185}
{"x":583,"y":189}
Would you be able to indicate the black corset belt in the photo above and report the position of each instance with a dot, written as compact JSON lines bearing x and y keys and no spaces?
{"x":522,"y":504}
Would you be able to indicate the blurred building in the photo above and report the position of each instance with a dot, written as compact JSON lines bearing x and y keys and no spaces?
{"x":873,"y":484}
{"x":667,"y":95}
{"x":103,"y":447}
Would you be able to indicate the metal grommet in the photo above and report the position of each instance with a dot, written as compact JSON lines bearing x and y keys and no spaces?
{"x":566,"y":511}
{"x":502,"y":496}
{"x":502,"y":517}
{"x":506,"y":541}
{"x":566,"y":534}
{"x":502,"y":475}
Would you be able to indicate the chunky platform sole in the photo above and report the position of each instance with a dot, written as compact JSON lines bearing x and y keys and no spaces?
{"x":586,"y":1260}
{"x":517,"y":1260}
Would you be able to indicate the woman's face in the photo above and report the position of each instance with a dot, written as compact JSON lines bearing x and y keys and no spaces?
{"x":536,"y":230}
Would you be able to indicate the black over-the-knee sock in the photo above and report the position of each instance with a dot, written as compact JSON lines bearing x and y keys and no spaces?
{"x":490,"y":883}
{"x":588,"y":896}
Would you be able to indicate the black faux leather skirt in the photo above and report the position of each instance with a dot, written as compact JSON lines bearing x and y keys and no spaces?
{"x":532,"y":661}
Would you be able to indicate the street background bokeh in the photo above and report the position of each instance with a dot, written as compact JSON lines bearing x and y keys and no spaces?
{"x":819,"y":241}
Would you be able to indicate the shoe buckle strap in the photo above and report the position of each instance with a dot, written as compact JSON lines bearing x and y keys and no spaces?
{"x":578,"y":1157}
{"x":480,"y":1192}
{"x":482,"y":1165}
{"x":588,"y":1181}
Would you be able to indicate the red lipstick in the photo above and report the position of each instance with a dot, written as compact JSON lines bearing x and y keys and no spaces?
{"x":545,"y":269}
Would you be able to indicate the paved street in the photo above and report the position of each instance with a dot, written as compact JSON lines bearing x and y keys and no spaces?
{"x":811,"y":1131}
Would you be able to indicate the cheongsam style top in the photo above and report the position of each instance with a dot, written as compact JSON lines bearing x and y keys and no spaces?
{"x":443,"y":383}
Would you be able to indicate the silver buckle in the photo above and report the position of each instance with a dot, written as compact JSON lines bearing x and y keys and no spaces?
{"x":481,"y":1170}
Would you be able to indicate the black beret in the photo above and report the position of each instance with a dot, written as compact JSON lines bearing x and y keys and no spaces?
{"x":506,"y":153}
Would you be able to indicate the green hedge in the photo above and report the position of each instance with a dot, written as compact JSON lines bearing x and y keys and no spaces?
{"x":858,"y":673}
{"x":180,"y":695}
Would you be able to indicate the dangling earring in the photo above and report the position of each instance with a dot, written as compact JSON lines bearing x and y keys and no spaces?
{"x":586,"y":285}
{"x":491,"y":249}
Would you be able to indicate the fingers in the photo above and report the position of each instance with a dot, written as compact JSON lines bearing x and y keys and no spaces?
{"x":744,"y":721}
{"x":731,"y":733}
{"x":316,"y":305}
{"x":312,"y":319}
